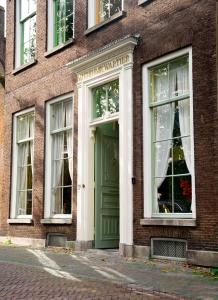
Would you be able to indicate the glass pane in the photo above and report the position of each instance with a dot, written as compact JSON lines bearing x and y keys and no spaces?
{"x":179,"y":157}
{"x":182,"y":118}
{"x":24,"y":203}
{"x":29,"y":203}
{"x":115,"y":6}
{"x":162,"y":120}
{"x":113,"y":97}
{"x":69,"y":20}
{"x":179,"y":77}
{"x":27,"y":7}
{"x":68,"y":113}
{"x":66,"y":173}
{"x":58,"y":146}
{"x":103,"y":9}
{"x":99,"y":102}
{"x":67,"y":199}
{"x":29,"y":177}
{"x":62,"y":201}
{"x":22,"y":127}
{"x":163,"y":158}
{"x":29,"y":39}
{"x":57,"y":116}
{"x":159,"y":83}
{"x":163,"y":194}
{"x":182,"y":194}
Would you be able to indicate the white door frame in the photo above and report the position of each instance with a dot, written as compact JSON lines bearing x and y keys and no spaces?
{"x":111,"y":62}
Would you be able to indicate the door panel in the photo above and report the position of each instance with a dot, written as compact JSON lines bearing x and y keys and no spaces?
{"x":107,"y":186}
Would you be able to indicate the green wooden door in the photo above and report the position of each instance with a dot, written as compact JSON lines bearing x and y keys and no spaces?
{"x":107,"y":186}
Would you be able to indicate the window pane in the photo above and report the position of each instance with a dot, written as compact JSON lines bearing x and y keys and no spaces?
{"x":163,"y":195}
{"x":107,"y":8}
{"x":99,"y":102}
{"x":63,"y":22}
{"x":182,"y":194}
{"x":113,"y":97}
{"x":162,"y":120}
{"x":66,"y":173}
{"x":179,"y":159}
{"x":29,"y":39}
{"x":179,"y":77}
{"x":163,"y":158}
{"x":115,"y":6}
{"x":68,"y":114}
{"x":25,"y":126}
{"x":24,"y":203}
{"x":27,"y":7}
{"x":62,"y":201}
{"x":159,"y":83}
{"x":57,"y":117}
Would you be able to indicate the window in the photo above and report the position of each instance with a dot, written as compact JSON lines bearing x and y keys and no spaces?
{"x":26,"y":31}
{"x":106,"y":100}
{"x":168,"y":117}
{"x":23,"y":164}
{"x":59,"y":159}
{"x":61,"y":22}
{"x":102,"y":10}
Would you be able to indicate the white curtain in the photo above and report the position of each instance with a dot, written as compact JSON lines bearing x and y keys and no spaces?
{"x":61,"y":21}
{"x":58,"y":149}
{"x":68,"y":111}
{"x":162,"y":149}
{"x":163,"y":131}
{"x":23,"y":131}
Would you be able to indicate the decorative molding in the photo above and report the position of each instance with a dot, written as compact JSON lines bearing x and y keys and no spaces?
{"x":114,"y":51}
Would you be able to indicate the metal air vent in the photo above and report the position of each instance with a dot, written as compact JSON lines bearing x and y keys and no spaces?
{"x":168,"y":248}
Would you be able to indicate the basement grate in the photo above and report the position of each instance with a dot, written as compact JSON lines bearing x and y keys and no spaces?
{"x":56,"y":240}
{"x":168,"y":248}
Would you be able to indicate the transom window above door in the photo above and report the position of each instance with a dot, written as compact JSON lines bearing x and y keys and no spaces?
{"x":103,"y":10}
{"x":60,"y":22}
{"x":105,"y":100}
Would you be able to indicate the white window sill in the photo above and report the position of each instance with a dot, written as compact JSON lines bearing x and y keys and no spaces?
{"x":56,"y":221}
{"x":168,"y":222}
{"x":24,"y":67}
{"x":20,"y":221}
{"x":58,"y":48}
{"x":104,"y":23}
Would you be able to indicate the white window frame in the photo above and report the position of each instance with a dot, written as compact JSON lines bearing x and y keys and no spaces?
{"x":92,"y":12}
{"x":18,"y":33}
{"x":147,"y":155}
{"x":13,"y":212}
{"x":50,"y":27}
{"x":48,"y":163}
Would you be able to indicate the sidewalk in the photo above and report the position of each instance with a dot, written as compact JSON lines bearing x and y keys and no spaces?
{"x":98,"y":268}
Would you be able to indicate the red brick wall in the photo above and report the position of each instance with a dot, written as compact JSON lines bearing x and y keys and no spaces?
{"x":164,"y":26}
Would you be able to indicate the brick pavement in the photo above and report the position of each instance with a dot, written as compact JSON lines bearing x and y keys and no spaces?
{"x":53,"y":274}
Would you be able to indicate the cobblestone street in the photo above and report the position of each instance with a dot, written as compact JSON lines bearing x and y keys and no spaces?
{"x":61,"y":274}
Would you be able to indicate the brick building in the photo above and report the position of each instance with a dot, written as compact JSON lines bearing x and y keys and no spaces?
{"x":2,"y":91}
{"x":110,"y":133}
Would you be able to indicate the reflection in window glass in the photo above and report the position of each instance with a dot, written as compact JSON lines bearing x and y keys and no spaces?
{"x":106,"y":99}
{"x":28,"y":30}
{"x":107,"y":8}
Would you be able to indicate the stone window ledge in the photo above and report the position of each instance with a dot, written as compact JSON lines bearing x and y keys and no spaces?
{"x":56,"y":221}
{"x":24,"y":67}
{"x":19,"y":221}
{"x":104,"y":23}
{"x":168,"y":222}
{"x":58,"y":48}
